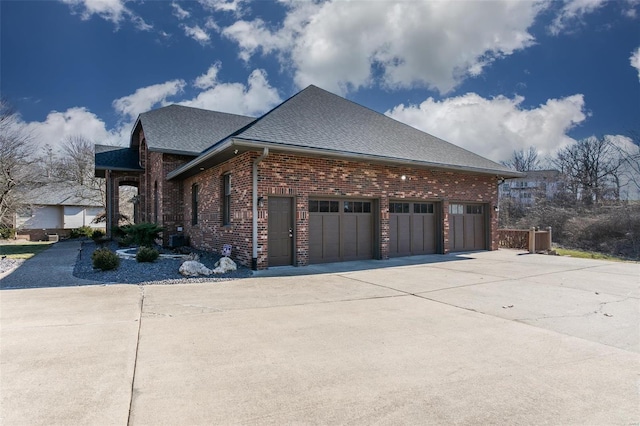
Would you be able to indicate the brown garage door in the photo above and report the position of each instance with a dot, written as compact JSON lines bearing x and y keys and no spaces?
{"x":412,"y":228}
{"x":340,"y":230}
{"x":467,"y":227}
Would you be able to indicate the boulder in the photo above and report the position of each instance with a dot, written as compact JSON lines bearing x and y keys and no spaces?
{"x":191,"y":268}
{"x":224,"y":265}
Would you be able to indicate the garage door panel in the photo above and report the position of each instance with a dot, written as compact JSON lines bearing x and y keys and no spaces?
{"x":458,"y":232}
{"x":467,"y":227}
{"x":478,"y":227}
{"x":393,"y":234}
{"x":350,"y":233}
{"x":331,"y":238}
{"x":404,"y":234}
{"x":340,"y":230}
{"x":412,"y":228}
{"x":365,"y":236}
{"x":429,"y":234}
{"x":315,"y":238}
{"x":417,"y":232}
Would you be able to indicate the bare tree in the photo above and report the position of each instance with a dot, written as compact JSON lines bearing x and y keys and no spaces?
{"x":74,"y":166}
{"x":524,"y":160}
{"x":16,"y":173}
{"x":591,"y":168}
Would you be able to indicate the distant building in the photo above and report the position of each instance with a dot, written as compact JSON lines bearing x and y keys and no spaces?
{"x":57,"y":209}
{"x":536,"y":185}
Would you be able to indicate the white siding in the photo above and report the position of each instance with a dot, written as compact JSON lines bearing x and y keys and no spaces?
{"x":42,"y":217}
{"x":75,"y":217}
{"x":92,"y":212}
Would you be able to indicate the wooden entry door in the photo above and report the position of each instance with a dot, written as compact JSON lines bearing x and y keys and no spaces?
{"x":280,"y":232}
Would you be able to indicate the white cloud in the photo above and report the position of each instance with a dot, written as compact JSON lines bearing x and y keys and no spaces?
{"x":208,"y":79}
{"x":574,"y":10}
{"x":211,"y":24}
{"x":196,"y":33}
{"x":113,"y":11}
{"x":147,"y":97}
{"x":254,"y":98}
{"x":635,"y":60}
{"x":75,"y":121}
{"x":496,"y":127}
{"x":179,"y":12}
{"x":254,"y":35}
{"x":346,"y":45}
{"x":234,"y":6}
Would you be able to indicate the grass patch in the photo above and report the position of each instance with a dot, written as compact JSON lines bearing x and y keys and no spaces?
{"x":587,"y":255}
{"x":23,"y":250}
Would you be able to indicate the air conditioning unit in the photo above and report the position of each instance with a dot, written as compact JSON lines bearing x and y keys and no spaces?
{"x":176,"y":240}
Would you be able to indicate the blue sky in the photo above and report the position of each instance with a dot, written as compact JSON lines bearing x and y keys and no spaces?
{"x":491,"y":76}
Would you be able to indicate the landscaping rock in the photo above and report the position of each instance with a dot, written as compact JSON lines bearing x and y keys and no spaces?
{"x":191,"y":268}
{"x":224,"y":265}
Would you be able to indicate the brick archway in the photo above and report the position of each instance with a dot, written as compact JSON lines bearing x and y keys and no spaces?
{"x":115,"y":180}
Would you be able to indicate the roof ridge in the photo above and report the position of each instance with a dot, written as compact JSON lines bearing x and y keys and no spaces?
{"x":257,"y":120}
{"x":195,"y":108}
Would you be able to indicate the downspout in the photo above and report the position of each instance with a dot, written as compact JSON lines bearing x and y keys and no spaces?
{"x":254,"y":258}
{"x":108,"y":203}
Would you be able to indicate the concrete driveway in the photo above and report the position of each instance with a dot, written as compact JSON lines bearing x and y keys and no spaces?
{"x":491,"y":337}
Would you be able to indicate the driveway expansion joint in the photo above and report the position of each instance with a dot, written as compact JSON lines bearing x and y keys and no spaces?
{"x":135,"y":360}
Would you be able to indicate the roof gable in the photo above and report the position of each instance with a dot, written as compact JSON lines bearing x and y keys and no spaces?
{"x":317,"y":119}
{"x":184,"y":130}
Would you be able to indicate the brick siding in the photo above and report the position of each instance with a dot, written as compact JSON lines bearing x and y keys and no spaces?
{"x":303,"y":177}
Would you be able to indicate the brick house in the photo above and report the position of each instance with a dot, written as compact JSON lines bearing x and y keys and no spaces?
{"x":316,"y":179}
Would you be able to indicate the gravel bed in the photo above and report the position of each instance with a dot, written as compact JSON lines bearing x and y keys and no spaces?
{"x":162,"y":271}
{"x":7,"y":265}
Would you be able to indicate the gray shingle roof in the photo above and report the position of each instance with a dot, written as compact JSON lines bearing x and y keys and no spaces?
{"x":116,"y":158}
{"x":185,"y":130}
{"x":62,"y":195}
{"x":317,"y":119}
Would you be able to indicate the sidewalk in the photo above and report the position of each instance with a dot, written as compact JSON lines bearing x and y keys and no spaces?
{"x":51,"y":268}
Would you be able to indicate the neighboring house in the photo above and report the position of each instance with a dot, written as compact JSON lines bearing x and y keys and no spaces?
{"x":57,"y":209}
{"x":316,"y":179}
{"x":535,"y":185}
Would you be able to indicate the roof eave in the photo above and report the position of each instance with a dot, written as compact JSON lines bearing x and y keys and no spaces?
{"x":173,"y":151}
{"x":216,"y":149}
{"x":372,"y":158}
{"x":258,"y":145}
{"x":118,"y":169}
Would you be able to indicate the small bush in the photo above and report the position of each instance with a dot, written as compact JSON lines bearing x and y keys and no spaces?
{"x":97,"y":234}
{"x":147,"y":254}
{"x":83,"y":231}
{"x":142,"y":234}
{"x":7,"y":233}
{"x":104,"y":259}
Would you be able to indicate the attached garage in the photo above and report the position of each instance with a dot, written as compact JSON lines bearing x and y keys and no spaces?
{"x":413,"y":228}
{"x":340,"y":230}
{"x":467,"y":227}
